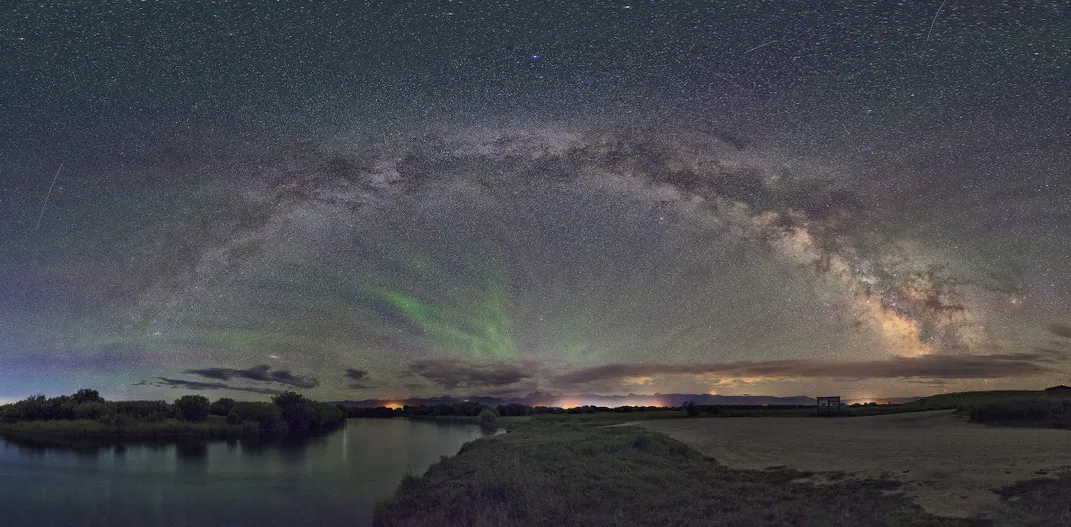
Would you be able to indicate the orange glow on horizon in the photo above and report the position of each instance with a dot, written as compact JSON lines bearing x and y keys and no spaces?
{"x":567,"y":404}
{"x":576,"y":403}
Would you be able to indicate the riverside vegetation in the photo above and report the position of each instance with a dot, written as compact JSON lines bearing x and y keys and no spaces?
{"x":85,"y":414}
{"x":1009,"y":407}
{"x":289,"y":414}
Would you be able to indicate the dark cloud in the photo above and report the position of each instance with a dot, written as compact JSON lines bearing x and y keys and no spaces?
{"x":923,"y":367}
{"x":355,"y":374}
{"x":1060,"y":329}
{"x":197,"y":385}
{"x":285,"y":377}
{"x":450,"y":372}
{"x":261,"y":373}
{"x":358,"y":377}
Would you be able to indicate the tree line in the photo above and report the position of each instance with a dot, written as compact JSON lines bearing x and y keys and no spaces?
{"x":288,"y":414}
{"x":475,"y":409}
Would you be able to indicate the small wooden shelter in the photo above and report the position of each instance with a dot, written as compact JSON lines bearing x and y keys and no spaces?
{"x":828,"y":405}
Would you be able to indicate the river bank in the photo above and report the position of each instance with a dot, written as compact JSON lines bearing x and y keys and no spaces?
{"x":562,"y":473}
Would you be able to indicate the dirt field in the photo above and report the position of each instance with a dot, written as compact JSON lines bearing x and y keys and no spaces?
{"x":948,"y":466}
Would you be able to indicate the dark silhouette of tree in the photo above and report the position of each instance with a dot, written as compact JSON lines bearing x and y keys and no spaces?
{"x":488,"y":417}
{"x":222,"y":406}
{"x":93,"y":410}
{"x":297,"y":412}
{"x":259,"y":418}
{"x":85,"y":395}
{"x":514,"y":409}
{"x":144,"y":410}
{"x":192,"y":407}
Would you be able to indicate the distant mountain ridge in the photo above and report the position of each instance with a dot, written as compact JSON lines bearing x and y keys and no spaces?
{"x":568,"y":401}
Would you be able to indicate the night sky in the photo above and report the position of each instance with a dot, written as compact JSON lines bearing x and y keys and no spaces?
{"x":387,"y":199}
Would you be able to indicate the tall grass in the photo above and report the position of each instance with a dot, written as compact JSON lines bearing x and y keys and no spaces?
{"x":964,"y":400}
{"x":1038,"y":411}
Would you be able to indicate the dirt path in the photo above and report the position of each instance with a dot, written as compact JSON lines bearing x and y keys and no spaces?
{"x":948,"y":466}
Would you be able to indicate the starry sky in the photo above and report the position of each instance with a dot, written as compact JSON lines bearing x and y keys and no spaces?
{"x":387,"y":199}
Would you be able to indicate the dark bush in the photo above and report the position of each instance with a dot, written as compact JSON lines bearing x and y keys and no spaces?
{"x":93,"y":410}
{"x":327,"y":416}
{"x":297,"y":412}
{"x":193,"y":408}
{"x":691,"y":408}
{"x":157,"y":416}
{"x":61,"y":407}
{"x":267,"y":417}
{"x":514,"y":409}
{"x":29,"y":409}
{"x":221,"y":407}
{"x":488,"y":417}
{"x":468,"y":408}
{"x":143,"y":409}
{"x":1047,"y":412}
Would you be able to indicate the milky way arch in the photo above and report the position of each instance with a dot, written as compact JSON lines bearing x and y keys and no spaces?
{"x":803,"y":216}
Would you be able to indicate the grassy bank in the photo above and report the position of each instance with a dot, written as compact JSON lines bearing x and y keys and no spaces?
{"x":964,"y":400}
{"x":562,"y":473}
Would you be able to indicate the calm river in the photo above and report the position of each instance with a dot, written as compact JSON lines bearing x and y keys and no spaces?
{"x":332,"y":480}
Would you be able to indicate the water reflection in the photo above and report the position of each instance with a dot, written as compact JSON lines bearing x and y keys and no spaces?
{"x":332,"y":480}
{"x":191,"y":450}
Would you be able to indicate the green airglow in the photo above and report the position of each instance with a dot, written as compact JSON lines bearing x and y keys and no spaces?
{"x":479,"y":323}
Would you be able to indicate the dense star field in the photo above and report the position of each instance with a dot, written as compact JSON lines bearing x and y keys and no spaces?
{"x":391,"y":199}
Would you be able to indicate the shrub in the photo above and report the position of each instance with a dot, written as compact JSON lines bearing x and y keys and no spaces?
{"x":268,"y":417}
{"x":61,"y":407}
{"x":221,"y":407}
{"x":156,"y":416}
{"x":1034,"y":412}
{"x":488,"y":417}
{"x":118,"y":421}
{"x":691,"y":408}
{"x":251,"y":428}
{"x":327,"y":416}
{"x":143,"y":409}
{"x":93,"y":410}
{"x":192,"y":408}
{"x":514,"y":409}
{"x":297,"y":412}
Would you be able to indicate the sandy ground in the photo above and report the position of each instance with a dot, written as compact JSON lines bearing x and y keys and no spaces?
{"x":947,"y":465}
